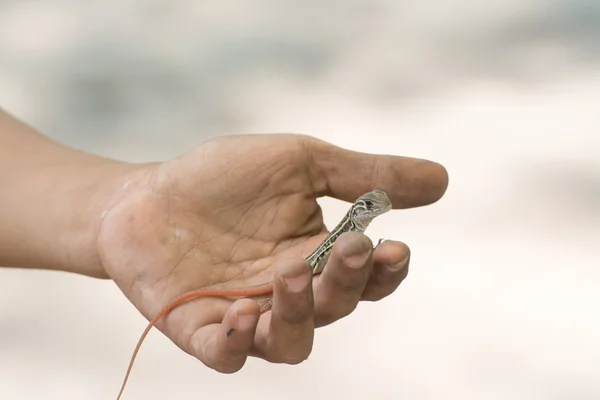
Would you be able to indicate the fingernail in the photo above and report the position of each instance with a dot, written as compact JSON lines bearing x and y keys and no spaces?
{"x":297,"y":283}
{"x":357,"y":261}
{"x":399,"y":266}
{"x":245,"y":322}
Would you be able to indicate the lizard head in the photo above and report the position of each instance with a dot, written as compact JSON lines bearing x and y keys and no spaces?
{"x":370,"y":205}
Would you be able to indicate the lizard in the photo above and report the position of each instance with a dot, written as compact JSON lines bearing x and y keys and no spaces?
{"x":366,"y":208}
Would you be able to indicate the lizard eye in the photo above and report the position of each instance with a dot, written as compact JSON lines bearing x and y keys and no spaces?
{"x":369,"y":203}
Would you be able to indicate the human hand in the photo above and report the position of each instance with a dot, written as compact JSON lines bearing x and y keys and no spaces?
{"x":241,"y":210}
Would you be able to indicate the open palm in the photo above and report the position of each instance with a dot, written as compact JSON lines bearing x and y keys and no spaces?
{"x":239,"y":211}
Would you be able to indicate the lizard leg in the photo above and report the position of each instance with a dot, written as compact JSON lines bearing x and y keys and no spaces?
{"x":265,"y":302}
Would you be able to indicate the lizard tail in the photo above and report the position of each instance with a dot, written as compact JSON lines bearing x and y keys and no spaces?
{"x":241,"y":292}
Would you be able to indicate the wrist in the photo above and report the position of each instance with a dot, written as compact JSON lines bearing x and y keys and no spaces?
{"x":52,"y":199}
{"x":57,"y":211}
{"x":94,"y":190}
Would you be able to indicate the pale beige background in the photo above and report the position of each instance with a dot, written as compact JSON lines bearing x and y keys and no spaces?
{"x":503,"y":295}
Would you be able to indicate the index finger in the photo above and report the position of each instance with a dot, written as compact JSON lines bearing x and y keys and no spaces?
{"x":346,"y":174}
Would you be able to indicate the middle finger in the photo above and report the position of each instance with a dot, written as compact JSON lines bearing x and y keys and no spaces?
{"x":340,"y":286}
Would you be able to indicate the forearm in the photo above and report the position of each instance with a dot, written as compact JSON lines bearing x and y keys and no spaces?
{"x":51,"y":201}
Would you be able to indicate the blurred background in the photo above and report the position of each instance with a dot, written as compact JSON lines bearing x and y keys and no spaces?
{"x":503,"y":295}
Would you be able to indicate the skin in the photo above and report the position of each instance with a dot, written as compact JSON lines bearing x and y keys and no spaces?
{"x":238,"y":210}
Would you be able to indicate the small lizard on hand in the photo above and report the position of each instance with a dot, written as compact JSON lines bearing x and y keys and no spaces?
{"x":366,"y":208}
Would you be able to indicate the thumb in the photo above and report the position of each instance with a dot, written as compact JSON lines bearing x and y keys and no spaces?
{"x":346,"y":174}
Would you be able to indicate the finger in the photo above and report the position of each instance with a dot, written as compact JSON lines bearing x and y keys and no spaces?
{"x":287,"y":336}
{"x":390,"y":268}
{"x":225,"y":347}
{"x":340,"y":286}
{"x":345,"y":175}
